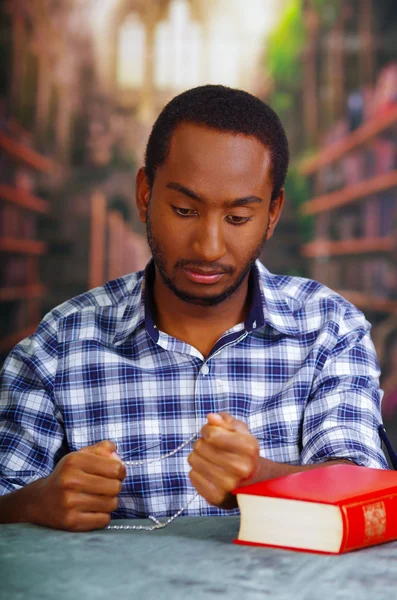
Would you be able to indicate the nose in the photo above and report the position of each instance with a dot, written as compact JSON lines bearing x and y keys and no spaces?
{"x":209,"y":243}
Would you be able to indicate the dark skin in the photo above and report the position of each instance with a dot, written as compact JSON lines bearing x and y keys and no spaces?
{"x":211,"y":205}
{"x":79,"y":495}
{"x":211,"y":208}
{"x":229,"y":175}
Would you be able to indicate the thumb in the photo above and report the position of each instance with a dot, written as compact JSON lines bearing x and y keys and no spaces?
{"x":216,"y":420}
{"x":106,"y":448}
{"x":226,"y":421}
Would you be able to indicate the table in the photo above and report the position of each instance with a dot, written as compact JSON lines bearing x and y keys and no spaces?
{"x":193,"y":558}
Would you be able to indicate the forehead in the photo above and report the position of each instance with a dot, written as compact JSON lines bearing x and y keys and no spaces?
{"x":209,"y":154}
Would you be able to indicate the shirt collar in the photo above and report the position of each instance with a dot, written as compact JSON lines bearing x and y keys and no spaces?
{"x":269,"y":305}
{"x":133,"y":311}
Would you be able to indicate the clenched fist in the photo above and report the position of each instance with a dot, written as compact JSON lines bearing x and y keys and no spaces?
{"x":225,"y":456}
{"x":82,"y":491}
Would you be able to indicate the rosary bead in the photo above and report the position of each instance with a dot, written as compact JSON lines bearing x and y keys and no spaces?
{"x":158,"y":524}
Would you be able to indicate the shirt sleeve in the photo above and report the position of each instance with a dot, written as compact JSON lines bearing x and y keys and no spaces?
{"x":344,"y":410}
{"x":31,"y":432}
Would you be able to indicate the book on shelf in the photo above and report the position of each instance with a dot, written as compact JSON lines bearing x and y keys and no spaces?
{"x":353,"y":167}
{"x":321,"y":226}
{"x":9,"y":220}
{"x":15,"y":317}
{"x":388,"y":213}
{"x":347,"y":224}
{"x":17,"y":223}
{"x":384,"y":155}
{"x":327,"y":271}
{"x":14,"y":270}
{"x":355,"y":109}
{"x":371,"y":216}
{"x":331,"y":509}
{"x":385,"y":93}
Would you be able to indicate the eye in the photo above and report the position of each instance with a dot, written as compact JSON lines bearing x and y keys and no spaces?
{"x":235,"y":220}
{"x":184,"y":212}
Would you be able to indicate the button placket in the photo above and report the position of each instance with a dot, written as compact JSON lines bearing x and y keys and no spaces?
{"x":202,"y":390}
{"x":205,"y":369}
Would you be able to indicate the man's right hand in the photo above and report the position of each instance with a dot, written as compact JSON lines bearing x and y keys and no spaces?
{"x":79,"y":495}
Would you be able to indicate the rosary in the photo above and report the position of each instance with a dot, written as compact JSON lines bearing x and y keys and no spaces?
{"x":157,"y":523}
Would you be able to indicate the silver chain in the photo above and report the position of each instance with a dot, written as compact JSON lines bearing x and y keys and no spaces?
{"x":138,"y":463}
{"x":157,"y":523}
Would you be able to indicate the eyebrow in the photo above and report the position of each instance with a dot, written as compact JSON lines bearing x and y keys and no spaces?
{"x":188,"y":192}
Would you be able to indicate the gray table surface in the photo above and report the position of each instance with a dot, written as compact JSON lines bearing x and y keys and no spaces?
{"x":191,"y":558}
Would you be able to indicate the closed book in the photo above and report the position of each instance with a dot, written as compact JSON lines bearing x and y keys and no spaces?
{"x":331,"y":509}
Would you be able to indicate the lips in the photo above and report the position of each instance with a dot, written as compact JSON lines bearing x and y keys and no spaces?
{"x":205,"y":277}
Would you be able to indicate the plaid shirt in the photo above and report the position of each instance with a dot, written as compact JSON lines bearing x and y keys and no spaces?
{"x":301,"y":371}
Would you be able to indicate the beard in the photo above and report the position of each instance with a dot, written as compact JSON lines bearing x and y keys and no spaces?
{"x":169,"y":280}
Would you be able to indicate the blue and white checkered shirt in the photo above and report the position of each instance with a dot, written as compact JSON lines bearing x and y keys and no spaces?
{"x":301,"y":371}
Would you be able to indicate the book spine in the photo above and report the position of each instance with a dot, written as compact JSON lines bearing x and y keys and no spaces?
{"x":369,"y":522}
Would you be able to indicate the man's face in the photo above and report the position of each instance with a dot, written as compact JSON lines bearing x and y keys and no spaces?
{"x":208,"y":213}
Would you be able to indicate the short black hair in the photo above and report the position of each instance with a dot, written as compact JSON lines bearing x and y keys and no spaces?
{"x":225,"y":109}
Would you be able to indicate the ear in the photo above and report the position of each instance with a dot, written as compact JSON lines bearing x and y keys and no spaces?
{"x":275,"y":209}
{"x":142,"y":194}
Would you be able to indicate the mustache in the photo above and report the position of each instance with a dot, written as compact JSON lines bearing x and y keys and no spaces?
{"x":215,"y":266}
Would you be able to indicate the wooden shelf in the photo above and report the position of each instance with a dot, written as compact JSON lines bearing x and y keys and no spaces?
{"x":350,"y":194}
{"x":21,"y":292}
{"x":365,"y":133}
{"x":25,"y":155}
{"x":368,"y":302}
{"x":23,"y":199}
{"x":22,"y":246}
{"x":9,"y":341}
{"x":320,"y":248}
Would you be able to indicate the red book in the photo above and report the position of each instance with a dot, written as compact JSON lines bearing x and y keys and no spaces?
{"x":331,"y":509}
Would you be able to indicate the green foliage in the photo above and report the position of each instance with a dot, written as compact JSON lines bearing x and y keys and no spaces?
{"x":283,"y":62}
{"x":327,"y":10}
{"x":285,"y":46}
{"x":297,"y":191}
{"x":287,"y":41}
{"x":297,"y":188}
{"x":281,"y":102}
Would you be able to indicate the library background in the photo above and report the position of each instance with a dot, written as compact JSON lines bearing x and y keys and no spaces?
{"x":81,"y":82}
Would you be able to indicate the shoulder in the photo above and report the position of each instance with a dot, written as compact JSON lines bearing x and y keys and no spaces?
{"x":95,"y":313}
{"x":313,"y":305}
{"x":111,"y":295}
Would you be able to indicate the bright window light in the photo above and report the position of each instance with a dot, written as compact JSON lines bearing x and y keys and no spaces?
{"x":131,"y":52}
{"x":178,"y":49}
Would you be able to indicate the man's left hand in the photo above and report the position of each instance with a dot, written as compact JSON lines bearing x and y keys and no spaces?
{"x":225,"y":456}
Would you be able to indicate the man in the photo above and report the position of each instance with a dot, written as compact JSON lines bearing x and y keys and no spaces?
{"x":272,"y":374}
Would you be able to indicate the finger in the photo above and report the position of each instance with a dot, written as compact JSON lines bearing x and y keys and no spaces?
{"x":230,"y":441}
{"x":221,"y":479}
{"x":86,"y":521}
{"x":93,"y":503}
{"x":206,"y":489}
{"x":216,"y":419}
{"x":225,"y":420}
{"x":100,"y":465}
{"x":241,"y":466}
{"x":95,"y":485}
{"x":105,"y":448}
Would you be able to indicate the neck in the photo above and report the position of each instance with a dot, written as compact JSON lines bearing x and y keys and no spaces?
{"x":184,"y":320}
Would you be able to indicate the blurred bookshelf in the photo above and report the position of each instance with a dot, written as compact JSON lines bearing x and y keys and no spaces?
{"x":354,"y":204}
{"x":115,"y":249}
{"x":23,"y":154}
{"x":357,"y":138}
{"x":21,"y":291}
{"x":343,"y":247}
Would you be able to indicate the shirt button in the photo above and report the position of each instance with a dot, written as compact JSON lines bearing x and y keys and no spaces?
{"x":204,"y":370}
